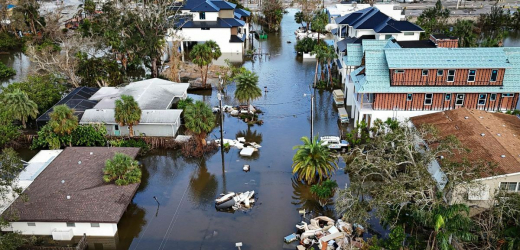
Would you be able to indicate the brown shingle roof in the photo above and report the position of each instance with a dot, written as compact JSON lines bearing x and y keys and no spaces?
{"x":501,"y":135}
{"x":91,"y":200}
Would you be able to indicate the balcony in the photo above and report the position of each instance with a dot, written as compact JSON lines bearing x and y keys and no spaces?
{"x":367,"y":101}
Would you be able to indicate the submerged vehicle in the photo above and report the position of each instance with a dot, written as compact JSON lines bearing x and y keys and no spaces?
{"x":334,"y":142}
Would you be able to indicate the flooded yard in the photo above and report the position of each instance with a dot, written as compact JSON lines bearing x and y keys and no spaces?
{"x":186,"y":188}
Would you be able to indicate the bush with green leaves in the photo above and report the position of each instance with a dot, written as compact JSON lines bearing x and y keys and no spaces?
{"x":324,"y":190}
{"x":122,"y":169}
{"x":90,"y":135}
{"x":305,"y":45}
{"x":131,"y":143}
{"x":44,"y":90}
{"x":8,"y":131}
{"x":6,"y":71}
{"x":182,"y":104}
{"x":9,"y":41}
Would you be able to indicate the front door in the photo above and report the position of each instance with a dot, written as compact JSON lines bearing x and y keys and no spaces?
{"x":116,"y":130}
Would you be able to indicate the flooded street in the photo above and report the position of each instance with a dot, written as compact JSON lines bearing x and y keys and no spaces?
{"x":186,"y":188}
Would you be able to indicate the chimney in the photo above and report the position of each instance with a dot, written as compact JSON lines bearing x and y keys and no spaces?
{"x":444,"y":41}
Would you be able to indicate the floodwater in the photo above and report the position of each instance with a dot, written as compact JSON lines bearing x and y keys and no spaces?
{"x":19,"y":62}
{"x":186,"y":188}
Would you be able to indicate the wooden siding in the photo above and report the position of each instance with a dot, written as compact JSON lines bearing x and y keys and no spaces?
{"x":414,"y":77}
{"x":439,"y":102}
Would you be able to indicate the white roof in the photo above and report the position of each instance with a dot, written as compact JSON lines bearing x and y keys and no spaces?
{"x":344,"y":9}
{"x":150,"y":94}
{"x":36,"y":165}
{"x":169,"y":116}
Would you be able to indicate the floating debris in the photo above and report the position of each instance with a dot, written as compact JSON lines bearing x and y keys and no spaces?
{"x":235,"y":201}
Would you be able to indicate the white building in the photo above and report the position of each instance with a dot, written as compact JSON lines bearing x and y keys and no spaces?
{"x":341,"y":9}
{"x":155,"y":98}
{"x":215,"y":20}
{"x":69,"y":198}
{"x":370,"y":23}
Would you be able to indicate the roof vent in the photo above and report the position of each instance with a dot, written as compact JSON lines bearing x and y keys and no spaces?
{"x":503,"y":156}
{"x":91,"y":153}
{"x":62,"y":181}
{"x":79,"y":162}
{"x":499,"y":134}
{"x":482,"y":134}
{"x":68,"y":197}
{"x":466,"y":117}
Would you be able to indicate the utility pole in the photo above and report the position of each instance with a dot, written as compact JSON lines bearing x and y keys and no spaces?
{"x":219,"y":96}
{"x":312,"y":117}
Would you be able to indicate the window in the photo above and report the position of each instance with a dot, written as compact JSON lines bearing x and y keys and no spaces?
{"x":409,"y":97}
{"x":388,"y":37}
{"x":482,"y":99}
{"x":424,"y":72}
{"x":202,"y":15}
{"x":408,"y":33}
{"x":31,"y":224}
{"x":471,"y":75}
{"x":428,"y":99}
{"x":447,"y":97}
{"x":440,"y":72}
{"x":451,"y":75}
{"x":507,"y":95}
{"x":494,"y":74}
{"x":71,"y":224}
{"x":399,"y":71}
{"x":116,"y":127}
{"x":204,"y":28}
{"x":94,"y":224}
{"x":460,"y":99}
{"x":508,"y":186}
{"x":493,"y":97}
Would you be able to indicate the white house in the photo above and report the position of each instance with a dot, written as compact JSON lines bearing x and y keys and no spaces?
{"x":341,"y":9}
{"x":369,"y":23}
{"x":155,"y":98}
{"x":69,"y":198}
{"x":215,"y":20}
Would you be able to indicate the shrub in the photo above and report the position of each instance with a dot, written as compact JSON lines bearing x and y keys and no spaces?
{"x":324,"y":190}
{"x":182,"y":104}
{"x":305,"y":45}
{"x":9,"y":41}
{"x":6,"y":71}
{"x":122,"y":169}
{"x":131,"y":143}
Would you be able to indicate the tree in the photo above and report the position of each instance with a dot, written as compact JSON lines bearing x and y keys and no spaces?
{"x":63,"y":121}
{"x":433,"y":20}
{"x":8,"y":131}
{"x":122,"y":169}
{"x":313,"y":161}
{"x":98,"y":71}
{"x":202,"y":55}
{"x":319,"y":21}
{"x":272,"y":11}
{"x":247,"y":88}
{"x":18,"y":104}
{"x":127,"y":112}
{"x":307,"y":11}
{"x":44,"y":90}
{"x":464,"y":30}
{"x":305,"y":45}
{"x":324,"y":191}
{"x":320,"y":50}
{"x":199,"y":119}
{"x":298,"y":18}
{"x":26,"y":17}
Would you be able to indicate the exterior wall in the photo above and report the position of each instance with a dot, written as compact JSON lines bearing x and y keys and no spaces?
{"x":145,"y":129}
{"x":234,"y":31}
{"x":487,"y":186}
{"x":414,"y":77}
{"x":221,"y":36}
{"x":439,"y":102}
{"x":371,"y":115}
{"x":46,"y":228}
{"x":226,"y":14}
{"x":210,"y":16}
{"x":359,"y":33}
{"x":400,"y":36}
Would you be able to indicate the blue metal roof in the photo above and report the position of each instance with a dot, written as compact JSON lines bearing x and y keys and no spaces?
{"x":206,"y":6}
{"x":376,"y":76}
{"x":223,"y":5}
{"x":446,"y":58}
{"x":372,"y":18}
{"x":243,"y":12}
{"x":354,"y":54}
{"x":233,"y":22}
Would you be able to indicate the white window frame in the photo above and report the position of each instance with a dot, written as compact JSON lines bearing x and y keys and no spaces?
{"x":516,"y":186}
{"x":496,"y":75}
{"x":461,"y":99}
{"x":470,"y":75}
{"x":399,"y":71}
{"x":31,"y":224}
{"x":409,"y":33}
{"x":94,"y":224}
{"x":447,"y":97}
{"x":448,"y":75}
{"x":493,"y":97}
{"x":441,"y":72}
{"x":508,"y":95}
{"x":482,"y":99}
{"x":409,"y":99}
{"x":71,"y":224}
{"x":422,"y":72}
{"x":428,"y":98}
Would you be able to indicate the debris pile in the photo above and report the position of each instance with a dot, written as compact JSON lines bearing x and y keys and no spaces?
{"x":325,"y":233}
{"x":237,"y":110}
{"x":235,"y":201}
{"x":247,"y":148}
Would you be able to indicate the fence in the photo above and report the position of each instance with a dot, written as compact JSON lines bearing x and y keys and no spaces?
{"x":82,"y":245}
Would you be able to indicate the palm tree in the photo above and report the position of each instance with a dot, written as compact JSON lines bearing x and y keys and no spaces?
{"x":127,"y":112}
{"x":313,"y":161}
{"x":463,"y":29}
{"x":203,"y":55}
{"x":330,"y":55}
{"x":298,"y":18}
{"x":247,"y":88}
{"x":320,"y":50}
{"x":63,"y":121}
{"x":122,"y":169}
{"x":18,"y":104}
{"x":199,"y":119}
